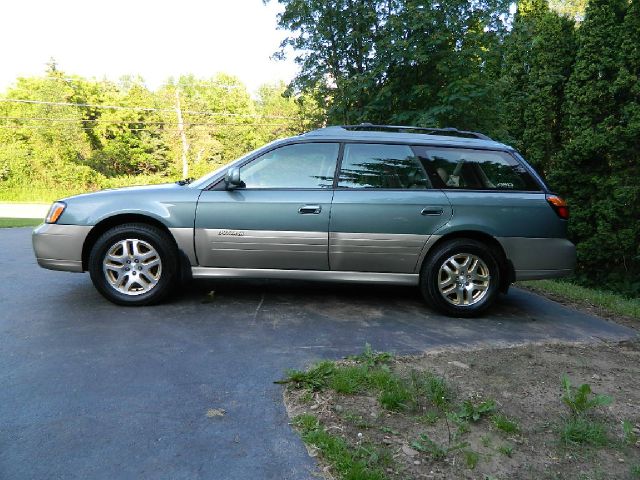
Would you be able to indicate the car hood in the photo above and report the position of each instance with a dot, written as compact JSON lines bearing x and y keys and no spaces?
{"x":131,"y":189}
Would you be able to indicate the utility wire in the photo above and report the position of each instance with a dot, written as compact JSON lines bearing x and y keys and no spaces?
{"x":143,"y":109}
{"x":126,"y":122}
{"x":246,"y":125}
{"x":80,"y":79}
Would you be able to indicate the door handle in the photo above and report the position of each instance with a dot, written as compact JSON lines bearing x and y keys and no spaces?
{"x":310,"y":209}
{"x":431,"y":211}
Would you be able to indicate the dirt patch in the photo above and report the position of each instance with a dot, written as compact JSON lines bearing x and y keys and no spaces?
{"x":525,"y":382}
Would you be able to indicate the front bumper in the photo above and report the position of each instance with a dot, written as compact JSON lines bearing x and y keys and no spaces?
{"x":59,"y":247}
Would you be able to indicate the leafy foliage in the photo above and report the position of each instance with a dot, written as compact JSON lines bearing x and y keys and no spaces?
{"x":475,"y":411}
{"x":102,"y":134}
{"x":581,"y":400}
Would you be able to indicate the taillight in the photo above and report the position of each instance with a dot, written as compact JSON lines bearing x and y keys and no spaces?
{"x":559,"y":206}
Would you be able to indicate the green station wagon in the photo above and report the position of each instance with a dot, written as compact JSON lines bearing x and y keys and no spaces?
{"x":450,"y":211}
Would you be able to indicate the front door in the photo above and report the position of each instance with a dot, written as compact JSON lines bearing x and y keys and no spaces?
{"x":278,"y":218}
{"x":384,"y":210}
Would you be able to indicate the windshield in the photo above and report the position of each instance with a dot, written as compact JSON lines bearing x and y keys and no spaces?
{"x":209,"y":177}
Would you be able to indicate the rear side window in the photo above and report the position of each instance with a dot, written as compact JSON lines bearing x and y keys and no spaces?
{"x":370,"y":165}
{"x":463,"y":168}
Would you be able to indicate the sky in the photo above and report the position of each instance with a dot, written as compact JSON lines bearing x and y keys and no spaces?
{"x":153,"y":39}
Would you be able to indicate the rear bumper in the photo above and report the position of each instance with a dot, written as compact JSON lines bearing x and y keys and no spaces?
{"x":59,"y":247}
{"x":538,"y":258}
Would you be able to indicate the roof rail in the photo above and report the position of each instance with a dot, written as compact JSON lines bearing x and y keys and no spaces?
{"x":427,"y":130}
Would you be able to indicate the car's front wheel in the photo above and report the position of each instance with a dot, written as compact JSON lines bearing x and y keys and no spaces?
{"x":460,"y":278}
{"x":134,"y":264}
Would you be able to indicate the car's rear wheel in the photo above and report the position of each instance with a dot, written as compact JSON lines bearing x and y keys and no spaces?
{"x":460,"y":278}
{"x":134,"y":264}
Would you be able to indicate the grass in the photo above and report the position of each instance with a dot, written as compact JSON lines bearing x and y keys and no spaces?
{"x":471,"y":458}
{"x":435,"y":450}
{"x":19,"y":222}
{"x":609,"y":302}
{"x":580,"y":430}
{"x":362,"y":463}
{"x":506,"y":450}
{"x":433,"y":388}
{"x":505,"y":424}
{"x":629,"y":437}
{"x":314,"y":379}
{"x":36,"y":195}
{"x":429,"y":418}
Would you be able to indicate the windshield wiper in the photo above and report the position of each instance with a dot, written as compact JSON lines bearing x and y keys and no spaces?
{"x":185,"y":181}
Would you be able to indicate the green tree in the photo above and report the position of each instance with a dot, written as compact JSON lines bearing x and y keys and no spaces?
{"x":399,"y":61}
{"x":539,"y":56}
{"x":598,"y":166}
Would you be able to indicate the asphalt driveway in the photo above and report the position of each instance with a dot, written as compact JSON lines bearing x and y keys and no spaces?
{"x":92,"y":390}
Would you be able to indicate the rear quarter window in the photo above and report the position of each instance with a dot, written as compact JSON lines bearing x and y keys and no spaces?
{"x":469,"y":169}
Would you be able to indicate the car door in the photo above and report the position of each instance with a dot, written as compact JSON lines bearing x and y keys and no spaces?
{"x":278,"y":218}
{"x":384,"y":210}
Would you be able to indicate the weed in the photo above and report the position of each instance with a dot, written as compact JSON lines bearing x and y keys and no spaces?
{"x":580,"y":400}
{"x":395,"y":396}
{"x":433,"y":387}
{"x":389,"y":430}
{"x":315,"y":379}
{"x":635,"y":471}
{"x":471,"y":458}
{"x":436,"y":450}
{"x":361,"y":463}
{"x":370,"y":358}
{"x":629,"y":436}
{"x":461,"y":423}
{"x":306,"y":422}
{"x":356,"y":420}
{"x":349,"y":380}
{"x":486,"y":441}
{"x":306,"y":397}
{"x":474,"y":412}
{"x":379,"y":378}
{"x":583,"y":431}
{"x":376,"y":455}
{"x":506,"y":450}
{"x":502,"y":422}
{"x":430,"y":418}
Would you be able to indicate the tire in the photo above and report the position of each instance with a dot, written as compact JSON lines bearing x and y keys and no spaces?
{"x":134,"y":264}
{"x":466,"y":291}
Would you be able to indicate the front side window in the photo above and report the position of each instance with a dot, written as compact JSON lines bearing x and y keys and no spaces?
{"x":370,"y":165}
{"x":464,"y":168}
{"x":303,"y":165}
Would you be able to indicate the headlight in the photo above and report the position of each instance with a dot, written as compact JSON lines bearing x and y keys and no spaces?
{"x":55,"y":211}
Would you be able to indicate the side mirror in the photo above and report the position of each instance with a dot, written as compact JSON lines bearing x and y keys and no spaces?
{"x":232,"y":179}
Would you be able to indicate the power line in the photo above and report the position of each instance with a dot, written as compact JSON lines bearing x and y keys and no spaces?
{"x":126,"y":122}
{"x":80,"y":79}
{"x":246,"y":125}
{"x":143,"y":109}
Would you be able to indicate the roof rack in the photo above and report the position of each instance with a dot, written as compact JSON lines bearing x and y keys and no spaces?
{"x":427,"y":130}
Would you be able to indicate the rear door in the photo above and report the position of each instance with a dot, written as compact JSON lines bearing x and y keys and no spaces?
{"x":384,"y":210}
{"x":278,"y":219}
